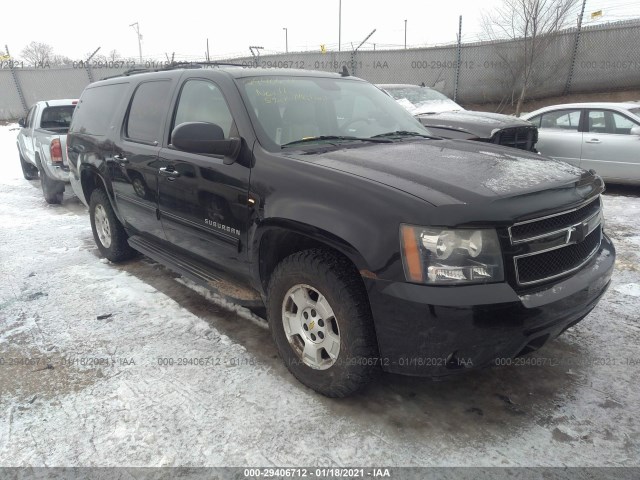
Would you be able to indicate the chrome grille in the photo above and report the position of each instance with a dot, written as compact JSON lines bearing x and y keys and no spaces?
{"x":556,"y":245}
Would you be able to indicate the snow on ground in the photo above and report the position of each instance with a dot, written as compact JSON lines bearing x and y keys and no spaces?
{"x":112,"y":365}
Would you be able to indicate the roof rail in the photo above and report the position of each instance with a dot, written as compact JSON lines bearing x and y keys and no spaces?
{"x":173,"y":66}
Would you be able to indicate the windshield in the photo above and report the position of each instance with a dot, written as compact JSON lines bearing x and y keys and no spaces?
{"x":635,"y":111}
{"x":287,"y":110}
{"x":420,"y":100}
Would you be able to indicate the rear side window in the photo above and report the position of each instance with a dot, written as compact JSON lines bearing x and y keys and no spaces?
{"x":29,"y":121}
{"x":147,"y":111}
{"x":96,"y":107}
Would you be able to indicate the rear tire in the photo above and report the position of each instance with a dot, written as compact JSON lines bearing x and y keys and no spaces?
{"x":29,"y":171}
{"x":53,"y":190}
{"x":320,"y":320}
{"x":108,"y":232}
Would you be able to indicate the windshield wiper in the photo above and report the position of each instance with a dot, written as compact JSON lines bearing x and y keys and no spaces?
{"x":405,"y":133}
{"x":336,"y":137}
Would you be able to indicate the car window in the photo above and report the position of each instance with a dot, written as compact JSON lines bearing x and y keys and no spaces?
{"x":29,"y":120}
{"x":57,"y":117}
{"x":567,"y":120}
{"x":95,"y":110}
{"x":622,"y":124}
{"x":202,"y":101}
{"x":536,"y":120}
{"x":147,"y":111}
{"x":597,"y":121}
{"x":606,"y":121}
{"x":422,"y":99}
{"x":291,"y":109}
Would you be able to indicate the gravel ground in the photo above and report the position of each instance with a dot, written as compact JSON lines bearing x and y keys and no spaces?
{"x":92,"y":370}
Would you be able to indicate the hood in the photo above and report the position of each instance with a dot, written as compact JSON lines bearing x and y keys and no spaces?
{"x":430,"y":107}
{"x":479,"y":124}
{"x":445,"y":172}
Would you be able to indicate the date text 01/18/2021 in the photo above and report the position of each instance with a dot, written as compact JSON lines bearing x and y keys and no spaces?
{"x":291,"y":472}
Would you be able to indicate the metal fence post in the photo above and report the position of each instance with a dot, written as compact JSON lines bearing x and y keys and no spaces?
{"x":16,"y":82}
{"x":353,"y":62}
{"x":574,"y":55}
{"x":89,"y":72}
{"x":459,"y":58}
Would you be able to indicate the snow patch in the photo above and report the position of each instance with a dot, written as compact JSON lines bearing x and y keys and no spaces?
{"x":631,"y":289}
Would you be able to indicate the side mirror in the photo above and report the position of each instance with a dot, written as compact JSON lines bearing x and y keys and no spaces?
{"x":203,"y":137}
{"x":21,"y":122}
{"x":635,"y":130}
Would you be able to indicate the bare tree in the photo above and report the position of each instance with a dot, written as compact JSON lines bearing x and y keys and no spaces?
{"x":60,"y":60}
{"x":533,"y":26}
{"x":114,"y":55}
{"x":37,"y":54}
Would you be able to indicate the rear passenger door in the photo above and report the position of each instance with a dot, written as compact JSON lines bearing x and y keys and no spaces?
{"x":609,"y":148}
{"x":203,"y":202}
{"x":134,"y":165}
{"x":559,"y":135}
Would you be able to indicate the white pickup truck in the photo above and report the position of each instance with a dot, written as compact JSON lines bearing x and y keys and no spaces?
{"x":42,"y":145}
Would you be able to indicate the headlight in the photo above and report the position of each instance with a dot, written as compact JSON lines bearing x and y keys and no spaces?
{"x":443,"y":256}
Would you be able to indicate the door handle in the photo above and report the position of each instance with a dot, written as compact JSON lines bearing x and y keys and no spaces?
{"x":169,"y":172}
{"x":120,"y":159}
{"x":593,"y":140}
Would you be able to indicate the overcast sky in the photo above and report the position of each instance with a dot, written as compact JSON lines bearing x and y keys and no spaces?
{"x":75,"y":28}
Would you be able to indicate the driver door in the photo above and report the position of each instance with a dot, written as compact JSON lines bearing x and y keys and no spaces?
{"x":203,"y":202}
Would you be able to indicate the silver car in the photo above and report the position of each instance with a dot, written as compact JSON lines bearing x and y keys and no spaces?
{"x":600,"y":136}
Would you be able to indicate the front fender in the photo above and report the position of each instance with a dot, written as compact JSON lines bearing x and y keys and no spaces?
{"x":357,"y":216}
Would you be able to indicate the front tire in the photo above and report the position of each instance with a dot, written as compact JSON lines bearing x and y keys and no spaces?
{"x":108,"y":232}
{"x":320,"y":320}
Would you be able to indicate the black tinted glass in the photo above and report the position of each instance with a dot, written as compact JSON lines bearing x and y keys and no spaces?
{"x":95,"y":109}
{"x":147,"y":111}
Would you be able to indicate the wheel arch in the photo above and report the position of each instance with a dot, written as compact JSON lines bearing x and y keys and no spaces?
{"x":91,"y":179}
{"x":277,"y":239}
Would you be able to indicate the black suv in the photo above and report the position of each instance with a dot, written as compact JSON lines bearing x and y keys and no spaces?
{"x":372,"y":244}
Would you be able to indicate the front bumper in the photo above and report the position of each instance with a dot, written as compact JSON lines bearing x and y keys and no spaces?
{"x":437,"y":331}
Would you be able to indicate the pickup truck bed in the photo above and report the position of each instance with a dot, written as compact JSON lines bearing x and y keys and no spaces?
{"x":42,"y":145}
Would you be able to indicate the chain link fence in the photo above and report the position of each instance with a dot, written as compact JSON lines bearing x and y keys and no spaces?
{"x":607,"y":58}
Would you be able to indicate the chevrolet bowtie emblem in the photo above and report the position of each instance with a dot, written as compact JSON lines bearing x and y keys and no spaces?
{"x":577,"y":233}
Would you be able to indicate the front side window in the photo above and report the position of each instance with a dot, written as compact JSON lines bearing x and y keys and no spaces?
{"x":622,"y":124}
{"x":147,"y":111}
{"x":202,"y":101}
{"x":567,"y":120}
{"x":292,"y":109}
{"x":606,"y":121}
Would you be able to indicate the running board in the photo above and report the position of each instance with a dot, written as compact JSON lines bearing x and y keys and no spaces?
{"x":214,"y":280}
